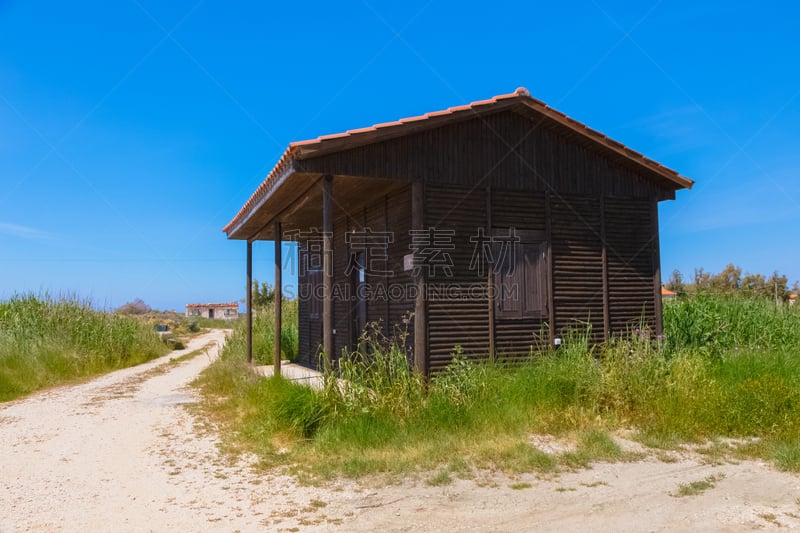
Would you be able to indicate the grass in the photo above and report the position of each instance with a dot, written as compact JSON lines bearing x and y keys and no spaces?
{"x":264,"y":334}
{"x":698,"y":487}
{"x":786,"y":456}
{"x":717,"y":374}
{"x":594,"y":445}
{"x":47,"y":341}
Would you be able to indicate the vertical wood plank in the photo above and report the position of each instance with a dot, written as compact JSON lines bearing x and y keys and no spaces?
{"x":548,"y":230}
{"x":656,"y":268}
{"x":420,"y":311}
{"x":604,"y":254}
{"x":327,"y":267}
{"x":388,"y":327}
{"x":490,"y":276}
{"x":278,"y":295}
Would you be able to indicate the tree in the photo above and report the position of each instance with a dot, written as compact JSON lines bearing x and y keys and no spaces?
{"x":727,"y":281}
{"x":777,"y":286}
{"x":675,"y":283}
{"x":702,"y":280}
{"x":754,"y":285}
{"x":263,"y":294}
{"x":136,"y":307}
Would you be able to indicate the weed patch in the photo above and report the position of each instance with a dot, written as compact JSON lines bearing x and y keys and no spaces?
{"x":787,"y":456}
{"x":698,"y":487}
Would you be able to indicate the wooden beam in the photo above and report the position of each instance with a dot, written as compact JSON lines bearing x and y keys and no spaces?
{"x":606,"y":310}
{"x":327,"y":266}
{"x":657,"y":269}
{"x":420,"y":310}
{"x":278,"y":295}
{"x":249,"y":302}
{"x":288,"y":211}
{"x":490,"y":275}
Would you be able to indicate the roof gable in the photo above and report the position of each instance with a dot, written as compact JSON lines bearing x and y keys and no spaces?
{"x":520,"y":101}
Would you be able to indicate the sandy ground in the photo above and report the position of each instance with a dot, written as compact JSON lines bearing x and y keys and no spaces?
{"x":122,"y":453}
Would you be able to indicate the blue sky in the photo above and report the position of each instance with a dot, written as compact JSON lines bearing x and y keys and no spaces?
{"x":131,"y":132}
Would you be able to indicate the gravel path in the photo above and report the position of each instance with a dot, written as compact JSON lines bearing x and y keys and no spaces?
{"x":122,"y":453}
{"x":116,"y":453}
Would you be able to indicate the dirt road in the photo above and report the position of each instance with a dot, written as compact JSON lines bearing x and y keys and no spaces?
{"x":121,"y":453}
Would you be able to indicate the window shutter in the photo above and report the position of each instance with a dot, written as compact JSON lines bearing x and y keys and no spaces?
{"x":509,"y":282}
{"x":535,"y":279}
{"x":520,"y":279}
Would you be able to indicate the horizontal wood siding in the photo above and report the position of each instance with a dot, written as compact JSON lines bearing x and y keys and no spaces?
{"x":514,"y":338}
{"x":309,"y":330}
{"x":463,"y":318}
{"x":375,"y":221}
{"x":400,"y":306}
{"x":630,"y":250}
{"x":457,"y":315}
{"x":303,"y":331}
{"x":577,"y":265}
{"x":504,"y":150}
{"x":342,"y":308}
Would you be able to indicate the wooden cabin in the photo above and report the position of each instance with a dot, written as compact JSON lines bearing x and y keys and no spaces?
{"x":491,"y":226}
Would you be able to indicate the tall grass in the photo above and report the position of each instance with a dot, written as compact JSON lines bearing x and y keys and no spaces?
{"x":716,"y":324}
{"x":264,"y":335}
{"x":46,"y":341}
{"x":739,"y":382}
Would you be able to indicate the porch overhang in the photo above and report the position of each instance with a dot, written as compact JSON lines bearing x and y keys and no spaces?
{"x":296,"y":199}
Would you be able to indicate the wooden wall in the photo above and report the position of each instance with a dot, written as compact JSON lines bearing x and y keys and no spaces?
{"x":631,"y":248}
{"x":599,"y":215}
{"x":386,"y":213}
{"x":455,"y":316}
{"x":585,"y":284}
{"x":577,"y":265}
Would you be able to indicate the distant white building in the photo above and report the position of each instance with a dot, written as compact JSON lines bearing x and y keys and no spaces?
{"x":228,"y":311}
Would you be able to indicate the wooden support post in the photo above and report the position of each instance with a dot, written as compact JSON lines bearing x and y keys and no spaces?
{"x":278,"y":295}
{"x":420,"y":311}
{"x":490,"y":275}
{"x":327,"y":267}
{"x":606,"y":310}
{"x":551,"y":312}
{"x":657,"y":269}
{"x":249,"y":302}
